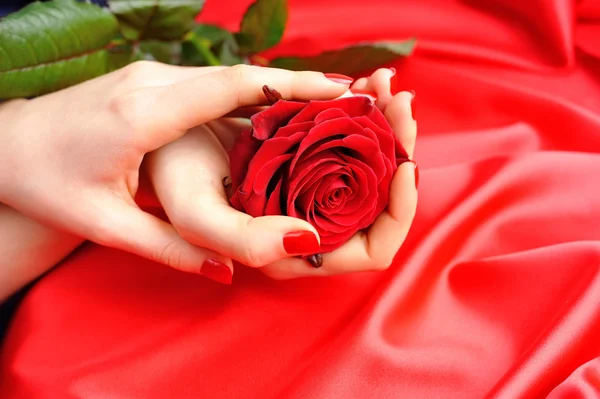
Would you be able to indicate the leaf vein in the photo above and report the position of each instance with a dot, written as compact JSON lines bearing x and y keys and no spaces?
{"x":57,"y":61}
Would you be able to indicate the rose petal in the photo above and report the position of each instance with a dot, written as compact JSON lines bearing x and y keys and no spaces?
{"x":313,"y":171}
{"x":333,"y":242}
{"x":366,"y":181}
{"x":355,"y":146}
{"x":266,"y":123}
{"x":290,"y":130}
{"x":328,"y":114}
{"x":266,"y":173}
{"x":329,"y":183}
{"x":401,"y":154}
{"x":352,"y":106}
{"x":253,"y":192}
{"x":306,"y":200}
{"x":301,"y":182}
{"x":329,"y":129}
{"x":325,"y":226}
{"x":240,"y":155}
{"x":236,"y":203}
{"x":387,"y":141}
{"x":268,"y":150}
{"x":273,"y":206}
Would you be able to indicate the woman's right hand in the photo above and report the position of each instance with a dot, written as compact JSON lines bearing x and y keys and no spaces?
{"x":71,"y":159}
{"x":187,"y":176}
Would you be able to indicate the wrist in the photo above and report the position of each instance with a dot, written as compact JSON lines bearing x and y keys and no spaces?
{"x":10,"y":114}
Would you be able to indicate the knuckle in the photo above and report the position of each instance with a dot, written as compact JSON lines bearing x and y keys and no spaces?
{"x":136,"y":71}
{"x":237,"y":73}
{"x":381,"y":261}
{"x":170,"y":255}
{"x":129,"y":109}
{"x":378,"y":260}
{"x":252,"y":257}
{"x":234,"y":81}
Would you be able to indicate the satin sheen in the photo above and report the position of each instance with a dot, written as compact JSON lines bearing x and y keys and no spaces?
{"x":495,"y":294}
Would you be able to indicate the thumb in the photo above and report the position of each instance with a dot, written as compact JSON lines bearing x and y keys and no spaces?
{"x":133,"y":230}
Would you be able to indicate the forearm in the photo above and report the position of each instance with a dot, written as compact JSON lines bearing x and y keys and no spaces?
{"x":28,"y":249}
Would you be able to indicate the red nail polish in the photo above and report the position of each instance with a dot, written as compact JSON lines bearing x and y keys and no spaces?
{"x":364,"y":93}
{"x":301,"y":242}
{"x":217,"y":271}
{"x":338,"y":78}
{"x":416,"y":174}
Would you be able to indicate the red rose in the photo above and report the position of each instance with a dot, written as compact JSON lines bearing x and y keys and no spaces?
{"x":330,"y":163}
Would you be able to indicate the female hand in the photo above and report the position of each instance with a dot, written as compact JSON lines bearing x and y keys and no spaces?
{"x":71,"y":159}
{"x":187,"y":177}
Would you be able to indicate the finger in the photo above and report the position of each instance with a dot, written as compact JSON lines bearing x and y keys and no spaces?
{"x":380,"y":84}
{"x":360,"y":84}
{"x":187,"y":176}
{"x":172,"y":110}
{"x":245,"y":112}
{"x":144,"y":74}
{"x":375,"y":249}
{"x":399,"y":114}
{"x":370,"y":250}
{"x":128,"y":228}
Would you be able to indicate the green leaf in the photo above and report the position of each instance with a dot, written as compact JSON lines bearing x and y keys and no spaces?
{"x":156,"y":19}
{"x":209,"y":38}
{"x":349,"y":60}
{"x":263,"y":25}
{"x":48,"y":46}
{"x":202,"y":47}
{"x":210,"y":45}
{"x":190,"y":55}
{"x":229,"y":53}
{"x":154,"y":50}
{"x":212,"y":33}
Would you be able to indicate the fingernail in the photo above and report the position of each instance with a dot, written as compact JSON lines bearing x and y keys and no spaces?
{"x":364,"y":93}
{"x":416,"y":174}
{"x":413,"y":107}
{"x":315,"y":260}
{"x":301,"y":242}
{"x":217,"y":271}
{"x":338,"y":78}
{"x":271,"y":94}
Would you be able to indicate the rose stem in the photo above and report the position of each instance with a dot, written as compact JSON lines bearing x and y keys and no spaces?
{"x":272,"y":95}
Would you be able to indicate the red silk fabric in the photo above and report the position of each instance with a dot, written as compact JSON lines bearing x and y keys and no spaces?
{"x":496,"y":292}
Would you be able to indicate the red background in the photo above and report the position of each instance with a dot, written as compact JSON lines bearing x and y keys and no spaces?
{"x":496,"y":292}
